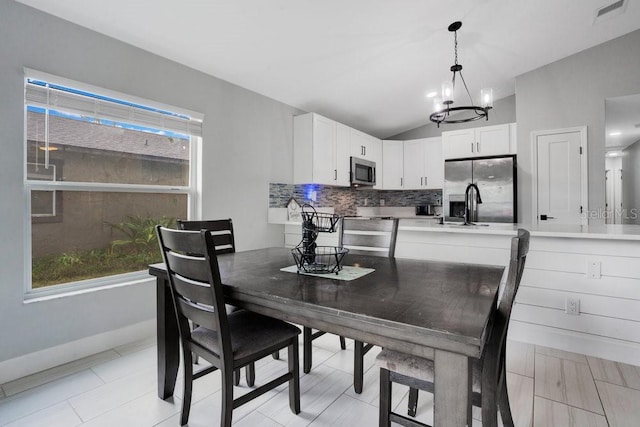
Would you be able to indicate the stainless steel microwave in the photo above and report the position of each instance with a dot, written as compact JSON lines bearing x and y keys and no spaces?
{"x":363,"y":172}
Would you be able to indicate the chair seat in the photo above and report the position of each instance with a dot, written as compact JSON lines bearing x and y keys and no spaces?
{"x":250,"y":333}
{"x":419,"y":368}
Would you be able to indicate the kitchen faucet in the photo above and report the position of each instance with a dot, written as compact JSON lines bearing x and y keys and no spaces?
{"x":467,"y":211}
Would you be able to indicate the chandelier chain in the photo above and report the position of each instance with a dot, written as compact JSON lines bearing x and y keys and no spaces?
{"x":455,"y":46}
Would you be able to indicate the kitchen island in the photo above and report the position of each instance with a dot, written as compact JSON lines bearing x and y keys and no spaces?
{"x":581,"y":287}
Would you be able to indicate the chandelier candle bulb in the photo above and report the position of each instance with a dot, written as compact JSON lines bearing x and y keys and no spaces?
{"x":447,"y":92}
{"x":486,"y":96}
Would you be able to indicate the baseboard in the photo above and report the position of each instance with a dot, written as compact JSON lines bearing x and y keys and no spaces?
{"x":577,"y":342}
{"x":31,"y":363}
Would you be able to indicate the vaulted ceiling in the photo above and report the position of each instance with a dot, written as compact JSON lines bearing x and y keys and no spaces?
{"x":366,"y":63}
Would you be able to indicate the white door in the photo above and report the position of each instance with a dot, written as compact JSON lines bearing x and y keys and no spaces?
{"x":561,"y":180}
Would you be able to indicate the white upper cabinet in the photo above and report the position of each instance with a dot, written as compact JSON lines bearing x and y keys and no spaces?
{"x":392,"y":165}
{"x":423,"y":164}
{"x":479,"y":142}
{"x":320,"y":151}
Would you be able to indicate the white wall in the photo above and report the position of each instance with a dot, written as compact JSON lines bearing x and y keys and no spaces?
{"x":247,"y":144}
{"x":571,"y":92}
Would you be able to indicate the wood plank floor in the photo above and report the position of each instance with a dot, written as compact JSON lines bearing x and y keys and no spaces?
{"x":547,"y":387}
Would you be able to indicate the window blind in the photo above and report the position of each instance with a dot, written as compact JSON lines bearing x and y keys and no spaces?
{"x":69,"y":100}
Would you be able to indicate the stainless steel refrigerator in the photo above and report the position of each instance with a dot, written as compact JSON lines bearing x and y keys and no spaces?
{"x":496,"y":180}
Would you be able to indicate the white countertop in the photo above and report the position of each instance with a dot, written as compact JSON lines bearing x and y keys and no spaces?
{"x":609,"y":231}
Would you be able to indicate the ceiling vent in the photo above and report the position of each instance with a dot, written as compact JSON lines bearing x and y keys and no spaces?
{"x":609,"y":11}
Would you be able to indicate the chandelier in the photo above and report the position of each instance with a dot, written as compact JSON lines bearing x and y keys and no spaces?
{"x":444,"y":111}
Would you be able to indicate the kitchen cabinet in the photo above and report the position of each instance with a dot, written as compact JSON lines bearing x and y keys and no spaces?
{"x":365,"y":146}
{"x":392,"y":165}
{"x":423,"y":164}
{"x":479,"y":142}
{"x":320,"y":151}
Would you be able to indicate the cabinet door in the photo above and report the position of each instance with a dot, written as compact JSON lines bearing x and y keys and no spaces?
{"x":373,"y":151}
{"x":433,"y":163}
{"x":492,"y":140}
{"x":343,"y":160}
{"x":324,"y":150}
{"x":392,"y":165}
{"x":358,"y":143}
{"x":413,"y":164}
{"x":458,"y":143}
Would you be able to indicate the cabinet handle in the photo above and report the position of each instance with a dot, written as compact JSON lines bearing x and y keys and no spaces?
{"x":400,"y":181}
{"x":421,"y":178}
{"x":472,"y":147}
{"x":477,"y":147}
{"x":335,"y":174}
{"x":425,"y":181}
{"x":365,"y":150}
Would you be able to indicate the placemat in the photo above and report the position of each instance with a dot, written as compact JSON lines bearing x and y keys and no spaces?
{"x":347,"y":272}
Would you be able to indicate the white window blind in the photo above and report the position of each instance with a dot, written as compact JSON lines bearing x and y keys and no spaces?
{"x":72,"y":100}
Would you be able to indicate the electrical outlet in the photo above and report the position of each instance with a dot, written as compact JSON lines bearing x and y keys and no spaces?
{"x":381,"y":202}
{"x":572,"y":306}
{"x":594,"y":269}
{"x":366,"y":201}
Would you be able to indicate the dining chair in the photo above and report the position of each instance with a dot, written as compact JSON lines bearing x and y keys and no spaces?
{"x":227,"y":341}
{"x":361,"y":236}
{"x":488,"y":373}
{"x":222,"y":232}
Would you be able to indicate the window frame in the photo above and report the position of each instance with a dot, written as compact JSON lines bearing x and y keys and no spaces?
{"x":193,"y":191}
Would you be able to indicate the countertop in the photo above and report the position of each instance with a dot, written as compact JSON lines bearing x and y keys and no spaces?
{"x":609,"y":231}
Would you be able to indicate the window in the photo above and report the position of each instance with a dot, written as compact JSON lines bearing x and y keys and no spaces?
{"x":101,"y":170}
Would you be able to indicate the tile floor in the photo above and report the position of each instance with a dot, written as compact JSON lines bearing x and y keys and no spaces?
{"x":547,"y":387}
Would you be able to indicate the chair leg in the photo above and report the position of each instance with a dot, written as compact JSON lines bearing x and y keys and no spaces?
{"x":294,"y":383}
{"x":385,"y":398}
{"x":343,"y":343}
{"x":227,"y":398}
{"x":188,"y":385}
{"x":250,"y":371}
{"x":413,"y":402}
{"x":236,"y":377}
{"x":276,"y":355}
{"x":306,"y":350}
{"x":488,"y":397}
{"x":358,"y":366}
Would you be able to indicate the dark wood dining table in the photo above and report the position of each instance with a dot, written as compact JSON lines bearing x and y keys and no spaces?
{"x":437,"y":310}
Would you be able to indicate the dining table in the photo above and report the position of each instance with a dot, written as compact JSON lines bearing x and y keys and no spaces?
{"x":436,"y":310}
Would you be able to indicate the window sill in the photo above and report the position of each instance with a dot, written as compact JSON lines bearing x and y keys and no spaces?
{"x":86,"y":286}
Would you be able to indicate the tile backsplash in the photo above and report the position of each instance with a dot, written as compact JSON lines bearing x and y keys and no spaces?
{"x":345,"y":200}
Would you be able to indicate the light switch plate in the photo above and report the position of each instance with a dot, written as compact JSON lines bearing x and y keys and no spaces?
{"x":594,"y":269}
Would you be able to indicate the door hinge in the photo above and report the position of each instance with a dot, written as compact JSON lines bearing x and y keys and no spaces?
{"x":580,"y":150}
{"x":580,"y":209}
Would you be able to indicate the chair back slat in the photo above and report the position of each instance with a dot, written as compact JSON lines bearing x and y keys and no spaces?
{"x":221,"y":229}
{"x":189,"y":266}
{"x":193,"y":290}
{"x":199,"y":314}
{"x":369,"y":237}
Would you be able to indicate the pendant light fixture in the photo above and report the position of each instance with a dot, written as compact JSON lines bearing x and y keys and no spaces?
{"x":444,"y":111}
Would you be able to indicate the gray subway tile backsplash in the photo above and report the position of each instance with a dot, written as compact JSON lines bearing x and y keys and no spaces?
{"x":346,"y":200}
